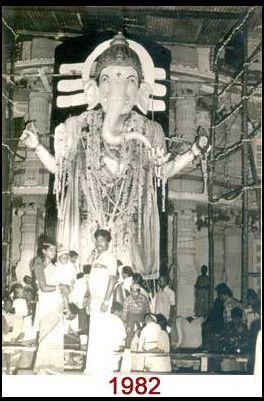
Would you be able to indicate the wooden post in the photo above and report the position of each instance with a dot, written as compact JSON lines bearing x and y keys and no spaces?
{"x":211,"y":167}
{"x":245,"y":175}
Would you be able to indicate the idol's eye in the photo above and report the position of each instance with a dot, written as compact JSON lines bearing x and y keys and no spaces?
{"x":133,"y":80}
{"x":104,"y":79}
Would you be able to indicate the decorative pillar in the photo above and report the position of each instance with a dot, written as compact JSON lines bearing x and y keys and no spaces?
{"x":27,"y":247}
{"x":35,"y":184}
{"x":186,"y":269}
{"x":185,"y":109}
{"x":32,"y":188}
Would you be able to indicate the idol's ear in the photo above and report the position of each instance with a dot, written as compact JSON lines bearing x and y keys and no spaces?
{"x":144,"y":93}
{"x":91,"y":93}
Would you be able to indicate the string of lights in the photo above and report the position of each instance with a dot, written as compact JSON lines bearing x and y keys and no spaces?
{"x":233,"y":33}
{"x":247,"y":63}
{"x":16,"y":107}
{"x":10,"y":28}
{"x":238,"y":145}
{"x":12,"y":153}
{"x":238,"y":107}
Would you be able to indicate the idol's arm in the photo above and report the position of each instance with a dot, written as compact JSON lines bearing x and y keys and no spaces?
{"x":30,"y":139}
{"x":200,"y":147}
{"x":173,"y":167}
{"x":46,"y":159}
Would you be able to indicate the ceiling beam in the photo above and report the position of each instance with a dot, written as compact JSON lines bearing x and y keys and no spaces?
{"x":132,"y":10}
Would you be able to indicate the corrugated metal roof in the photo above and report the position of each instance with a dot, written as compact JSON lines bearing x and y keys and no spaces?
{"x":188,"y":24}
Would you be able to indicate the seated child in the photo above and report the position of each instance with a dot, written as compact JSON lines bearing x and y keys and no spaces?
{"x":12,"y":324}
{"x":19,"y":302}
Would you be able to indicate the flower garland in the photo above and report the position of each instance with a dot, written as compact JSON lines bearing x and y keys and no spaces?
{"x":116,"y":202}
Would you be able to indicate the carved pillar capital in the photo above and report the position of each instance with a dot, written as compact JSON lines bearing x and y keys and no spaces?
{"x":185,"y":110}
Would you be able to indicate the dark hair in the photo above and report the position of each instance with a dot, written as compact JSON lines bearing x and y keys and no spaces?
{"x":15,"y":287}
{"x":73,"y":308}
{"x":137,"y":278}
{"x":223,"y":289}
{"x":116,"y":307}
{"x":151,"y":315}
{"x":27,"y":280}
{"x":128,"y":270}
{"x":73,"y":253}
{"x":43,"y":246}
{"x":236,"y":312}
{"x":204,"y":267}
{"x":100,"y":232}
{"x":162,"y":321}
{"x":252,"y":293}
{"x":87,"y":269}
{"x":119,"y":262}
{"x":79,"y":275}
{"x":255,"y":304}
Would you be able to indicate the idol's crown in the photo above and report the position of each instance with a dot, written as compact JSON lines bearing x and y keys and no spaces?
{"x":119,"y":53}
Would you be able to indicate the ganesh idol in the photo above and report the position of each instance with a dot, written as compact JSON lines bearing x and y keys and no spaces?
{"x":110,"y":160}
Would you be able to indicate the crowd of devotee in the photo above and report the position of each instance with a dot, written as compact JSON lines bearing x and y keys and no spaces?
{"x":53,"y":308}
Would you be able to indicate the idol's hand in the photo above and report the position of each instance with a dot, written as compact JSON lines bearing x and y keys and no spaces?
{"x":30,"y":136}
{"x":201,"y":145}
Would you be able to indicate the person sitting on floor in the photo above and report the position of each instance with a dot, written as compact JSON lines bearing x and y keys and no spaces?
{"x":19,"y":302}
{"x":16,"y":327}
{"x":252,"y":310}
{"x":236,"y":333}
{"x":8,"y":314}
{"x":155,"y":340}
{"x":71,"y":327}
{"x":229,"y":302}
{"x":164,"y":343}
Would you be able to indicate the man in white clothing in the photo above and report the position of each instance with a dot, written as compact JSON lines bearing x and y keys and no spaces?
{"x":101,"y":285}
{"x":164,"y":300}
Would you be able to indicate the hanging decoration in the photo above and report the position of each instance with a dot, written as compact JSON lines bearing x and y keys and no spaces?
{"x":113,"y":203}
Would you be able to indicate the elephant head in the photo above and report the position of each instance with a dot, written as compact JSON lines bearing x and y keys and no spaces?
{"x":118,"y":87}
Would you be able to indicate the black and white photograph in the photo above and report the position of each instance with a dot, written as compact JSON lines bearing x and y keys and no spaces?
{"x":131,"y":199}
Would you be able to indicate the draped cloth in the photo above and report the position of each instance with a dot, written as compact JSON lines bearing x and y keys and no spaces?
{"x":49,"y":323}
{"x":71,"y":145}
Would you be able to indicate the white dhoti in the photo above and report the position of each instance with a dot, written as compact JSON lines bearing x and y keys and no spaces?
{"x":97,"y":361}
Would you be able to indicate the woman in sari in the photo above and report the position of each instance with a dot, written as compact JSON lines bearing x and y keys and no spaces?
{"x":49,"y":314}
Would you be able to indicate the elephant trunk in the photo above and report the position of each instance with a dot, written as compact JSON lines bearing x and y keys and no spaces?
{"x":116,"y":103}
